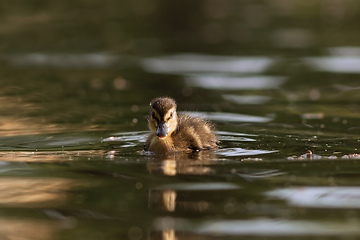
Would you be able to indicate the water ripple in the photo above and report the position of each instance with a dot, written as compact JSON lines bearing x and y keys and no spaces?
{"x":320,"y":197}
{"x":341,"y":64}
{"x":251,"y":99}
{"x":201,"y":186}
{"x":260,"y":227}
{"x":130,"y":138}
{"x":232,"y":152}
{"x":235,"y":83}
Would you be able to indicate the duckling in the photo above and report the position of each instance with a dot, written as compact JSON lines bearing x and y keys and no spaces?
{"x":172,"y":132}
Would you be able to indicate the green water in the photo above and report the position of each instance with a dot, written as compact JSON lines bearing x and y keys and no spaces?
{"x":279,"y":79}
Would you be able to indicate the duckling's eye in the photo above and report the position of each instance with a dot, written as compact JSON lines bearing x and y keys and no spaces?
{"x":170,"y":116}
{"x":153,"y":116}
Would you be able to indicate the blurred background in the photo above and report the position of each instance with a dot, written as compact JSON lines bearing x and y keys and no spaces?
{"x":91,"y":61}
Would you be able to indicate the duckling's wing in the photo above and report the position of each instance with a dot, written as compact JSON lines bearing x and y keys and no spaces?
{"x":195,"y":133}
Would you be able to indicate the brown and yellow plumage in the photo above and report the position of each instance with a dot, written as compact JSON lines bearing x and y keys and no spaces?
{"x":172,"y":132}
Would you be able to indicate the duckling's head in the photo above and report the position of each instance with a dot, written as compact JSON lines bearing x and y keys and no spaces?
{"x":163,"y":117}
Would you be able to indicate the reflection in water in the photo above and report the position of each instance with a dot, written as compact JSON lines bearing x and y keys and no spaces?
{"x":171,"y":201}
{"x":172,"y":197}
{"x":172,"y":167}
{"x":22,"y":229}
{"x":15,"y":125}
{"x":166,"y":197}
{"x":178,"y":197}
{"x":187,"y":63}
{"x":169,"y":234}
{"x":33,"y":193}
{"x":192,"y":163}
{"x":10,"y":126}
{"x":163,"y":199}
{"x":235,"y":83}
{"x":36,"y":192}
{"x":169,"y":198}
{"x":46,"y":156}
{"x":166,"y":234}
{"x":192,"y":199}
{"x":24,"y":121}
{"x":167,"y":167}
{"x":319,"y":197}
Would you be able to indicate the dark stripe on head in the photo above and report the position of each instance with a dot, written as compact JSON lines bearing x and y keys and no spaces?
{"x":162,"y":105}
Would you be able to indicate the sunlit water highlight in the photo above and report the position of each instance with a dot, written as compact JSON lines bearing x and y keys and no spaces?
{"x":320,"y":197}
{"x":235,"y":83}
{"x":187,"y":63}
{"x":230,"y":117}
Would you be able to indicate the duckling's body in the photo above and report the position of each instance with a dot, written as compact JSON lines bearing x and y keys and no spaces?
{"x":171,"y":132}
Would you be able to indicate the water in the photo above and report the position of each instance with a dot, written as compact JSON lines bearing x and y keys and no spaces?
{"x":278,"y":78}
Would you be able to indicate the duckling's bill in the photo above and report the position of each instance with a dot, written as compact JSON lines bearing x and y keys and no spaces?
{"x":162,"y":130}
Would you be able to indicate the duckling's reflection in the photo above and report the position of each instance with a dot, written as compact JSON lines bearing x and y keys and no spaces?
{"x":169,"y":234}
{"x":172,"y":234}
{"x":170,"y":200}
{"x":196,"y":163}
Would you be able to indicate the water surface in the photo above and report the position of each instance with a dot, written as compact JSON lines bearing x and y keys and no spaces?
{"x":278,"y":79}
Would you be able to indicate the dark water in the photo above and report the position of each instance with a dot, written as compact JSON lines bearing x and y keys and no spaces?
{"x":280,"y":80}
